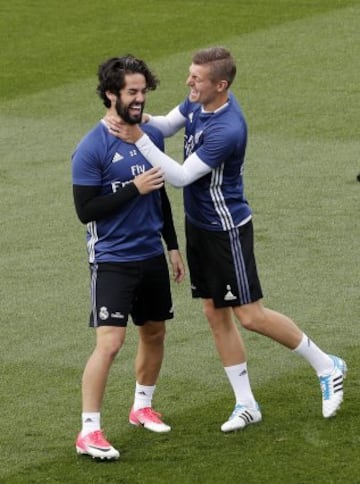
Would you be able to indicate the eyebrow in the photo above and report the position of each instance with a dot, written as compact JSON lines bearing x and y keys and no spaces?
{"x":134,"y":90}
{"x":195,"y":76}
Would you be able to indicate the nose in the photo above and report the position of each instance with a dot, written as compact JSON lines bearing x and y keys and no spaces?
{"x":140,"y":97}
{"x":189,"y":81}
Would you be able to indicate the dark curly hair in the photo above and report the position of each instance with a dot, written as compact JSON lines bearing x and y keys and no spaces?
{"x":111,"y":74}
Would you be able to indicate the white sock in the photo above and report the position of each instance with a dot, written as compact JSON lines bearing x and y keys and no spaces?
{"x":143,"y":396}
{"x":90,"y":422}
{"x":239,"y":380}
{"x":320,"y":361}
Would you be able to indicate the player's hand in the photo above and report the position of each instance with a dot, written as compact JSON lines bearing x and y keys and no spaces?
{"x":177,"y":265}
{"x":129,"y":133}
{"x":112,"y":122}
{"x":149,"y":181}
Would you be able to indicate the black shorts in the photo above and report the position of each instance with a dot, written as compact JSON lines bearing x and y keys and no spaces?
{"x":222,"y":265}
{"x":141,"y":289}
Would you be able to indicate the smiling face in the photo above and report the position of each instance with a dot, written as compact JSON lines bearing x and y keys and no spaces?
{"x":130,"y":102}
{"x":211,"y":94}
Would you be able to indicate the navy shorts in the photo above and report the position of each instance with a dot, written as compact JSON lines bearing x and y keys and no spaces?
{"x":140,"y":289}
{"x":222,"y":265}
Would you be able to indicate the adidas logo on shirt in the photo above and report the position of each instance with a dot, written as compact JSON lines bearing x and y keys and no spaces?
{"x":117,"y":157}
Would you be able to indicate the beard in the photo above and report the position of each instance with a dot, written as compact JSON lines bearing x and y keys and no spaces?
{"x":124,"y":112}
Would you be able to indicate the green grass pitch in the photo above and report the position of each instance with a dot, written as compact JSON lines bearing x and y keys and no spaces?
{"x":298,"y":83}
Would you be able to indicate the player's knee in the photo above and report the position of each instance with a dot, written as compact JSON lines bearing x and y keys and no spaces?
{"x":219,"y":320}
{"x":251,"y":320}
{"x":110,"y":346}
{"x":111,"y":350}
{"x":154,"y":335}
{"x":210,"y":312}
{"x":248,"y":323}
{"x":253,"y":323}
{"x":156,"y":339}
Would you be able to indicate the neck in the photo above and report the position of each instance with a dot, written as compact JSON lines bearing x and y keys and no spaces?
{"x":217,"y":103}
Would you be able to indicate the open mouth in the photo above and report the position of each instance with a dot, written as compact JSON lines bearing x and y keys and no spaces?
{"x":135,"y":109}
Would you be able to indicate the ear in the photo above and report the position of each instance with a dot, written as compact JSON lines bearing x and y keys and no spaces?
{"x":111,"y":96}
{"x":222,"y":86}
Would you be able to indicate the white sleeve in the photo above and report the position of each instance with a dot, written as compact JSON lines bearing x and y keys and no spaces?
{"x":169,"y":124}
{"x":176,"y":174}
